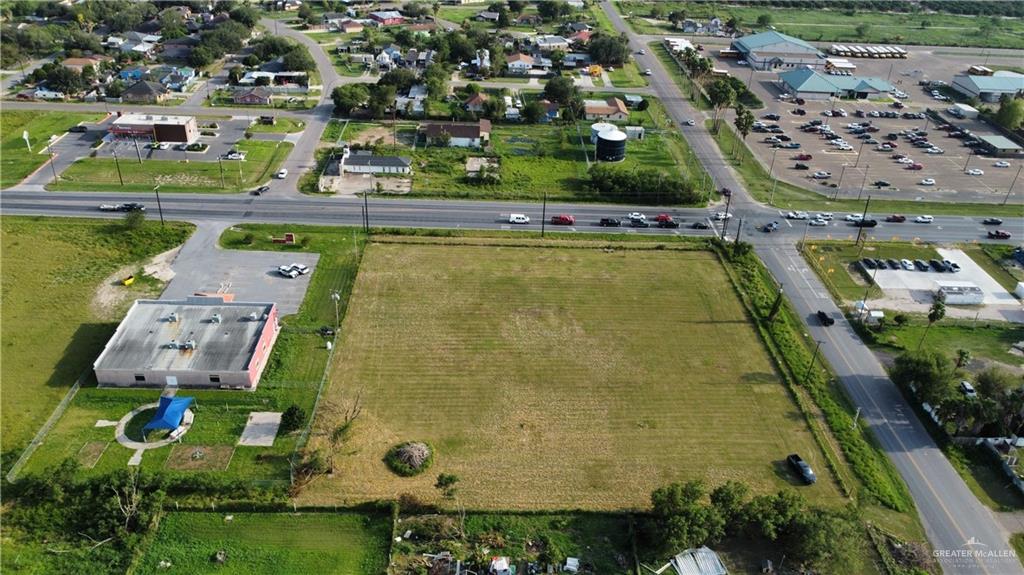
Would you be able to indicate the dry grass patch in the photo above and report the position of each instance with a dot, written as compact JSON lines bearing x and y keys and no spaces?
{"x":556,"y":378}
{"x":199,"y":457}
{"x":90,"y":453}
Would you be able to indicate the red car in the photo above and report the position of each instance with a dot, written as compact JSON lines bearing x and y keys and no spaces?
{"x":915,"y":167}
{"x":563,"y":220}
{"x":663,"y":218}
{"x":999,"y":235}
{"x":804,"y":157}
{"x":896,"y":218}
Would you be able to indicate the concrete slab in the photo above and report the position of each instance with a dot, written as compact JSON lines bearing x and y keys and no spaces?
{"x":202,"y":266}
{"x":261,"y":429}
{"x":922,"y":285}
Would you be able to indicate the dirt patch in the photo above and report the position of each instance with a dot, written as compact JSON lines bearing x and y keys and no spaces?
{"x":112,"y":296}
{"x":370,"y":136}
{"x":90,"y":453}
{"x":200,"y":457}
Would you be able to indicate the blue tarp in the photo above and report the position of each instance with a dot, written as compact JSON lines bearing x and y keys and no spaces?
{"x":169,"y":413}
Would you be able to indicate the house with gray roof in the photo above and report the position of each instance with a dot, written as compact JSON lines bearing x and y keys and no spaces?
{"x":771,"y":50}
{"x":989,"y":88}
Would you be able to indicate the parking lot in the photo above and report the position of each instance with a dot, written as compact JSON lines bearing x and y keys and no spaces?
{"x":921,"y":286}
{"x":854,"y":171}
{"x":228,"y":132}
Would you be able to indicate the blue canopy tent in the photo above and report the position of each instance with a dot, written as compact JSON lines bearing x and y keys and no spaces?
{"x":169,"y":414}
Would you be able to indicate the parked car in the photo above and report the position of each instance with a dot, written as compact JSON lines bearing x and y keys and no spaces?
{"x":927,"y":182}
{"x":563,"y":220}
{"x":896,"y":218}
{"x":992,"y":222}
{"x":822,"y":175}
{"x":518,"y":219}
{"x":881,"y":184}
{"x":609,"y":223}
{"x":915,"y":167}
{"x":774,"y":117}
{"x":78,"y":129}
{"x":974,"y":172}
{"x":937,"y":265}
{"x":907,"y":265}
{"x":868,"y":264}
{"x":967,"y":389}
{"x":893,"y":264}
{"x":825,"y":319}
{"x":999,"y":235}
{"x":952,"y":266}
{"x":800,"y":166}
{"x":1001,"y":164}
{"x":924,"y":219}
{"x":803,"y":157}
{"x":921,"y":265}
{"x":282,"y":173}
{"x":801,"y":468}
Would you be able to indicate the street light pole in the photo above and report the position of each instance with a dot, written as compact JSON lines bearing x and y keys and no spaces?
{"x":968,"y":159}
{"x":52,"y":167}
{"x":813,"y":357}
{"x":544,"y":214}
{"x":117,"y":165}
{"x":159,"y":206}
{"x":859,"y":151}
{"x":725,"y":222}
{"x":860,"y":228}
{"x":864,"y":181}
{"x":337,"y":314}
{"x":839,"y":186}
{"x":771,"y":169}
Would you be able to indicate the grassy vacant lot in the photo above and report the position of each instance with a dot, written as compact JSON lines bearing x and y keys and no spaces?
{"x":627,"y":76}
{"x":555,"y":378}
{"x":685,"y":84}
{"x":997,"y":260}
{"x":284,"y":543}
{"x":281,"y":126}
{"x":17,"y":162}
{"x":755,"y":178}
{"x":292,"y":376}
{"x":539,"y":159}
{"x":825,"y":25}
{"x":100,"y":174}
{"x":52,"y":328}
{"x":834,"y":261}
{"x":985,"y":339}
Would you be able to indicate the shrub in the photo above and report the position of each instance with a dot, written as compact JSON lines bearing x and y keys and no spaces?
{"x":248,"y":240}
{"x":294,"y":417}
{"x":410,"y":458}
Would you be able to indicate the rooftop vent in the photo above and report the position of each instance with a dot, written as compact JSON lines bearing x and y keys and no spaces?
{"x":216,"y":318}
{"x":173,"y":317}
{"x":190,"y":344}
{"x":254,"y":316}
{"x":173,"y":344}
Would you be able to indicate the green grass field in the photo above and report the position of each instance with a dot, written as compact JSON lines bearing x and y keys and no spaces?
{"x":627,"y":76}
{"x":100,"y":174}
{"x":827,"y":25}
{"x":984,"y":339}
{"x":292,"y":376}
{"x":281,"y":126}
{"x":52,"y":328}
{"x":17,"y":162}
{"x":685,"y":84}
{"x":282,"y":543}
{"x":557,"y":378}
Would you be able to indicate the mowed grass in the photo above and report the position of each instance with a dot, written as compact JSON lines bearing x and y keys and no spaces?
{"x":557,"y":378}
{"x":51,"y":330}
{"x":281,"y":543}
{"x":16,"y":161}
{"x":836,"y":263}
{"x":100,"y":174}
{"x":281,"y":126}
{"x":627,"y":76}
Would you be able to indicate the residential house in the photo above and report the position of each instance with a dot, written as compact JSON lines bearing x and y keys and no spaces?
{"x":527,"y":20}
{"x":551,"y":111}
{"x":487,"y":16}
{"x":632,"y":100}
{"x":419,"y":58}
{"x":548,"y":43}
{"x":387,"y":18}
{"x":134,"y":36}
{"x":177,"y":79}
{"x":349,"y":27}
{"x":459,"y":134}
{"x":581,"y":38}
{"x":256,"y":96}
{"x":520,"y":64}
{"x":574,"y":27}
{"x":289,"y":5}
{"x":384,"y":61}
{"x":413,"y":103}
{"x":79,"y":64}
{"x":179,"y":48}
{"x":576,"y":60}
{"x":145,"y":92}
{"x":133,"y":73}
{"x":612,"y":109}
{"x":333,"y":19}
{"x":142,"y":49}
{"x":482,"y":60}
{"x":475,"y":103}
{"x":113,"y":42}
{"x":577,"y":4}
{"x":41,"y":93}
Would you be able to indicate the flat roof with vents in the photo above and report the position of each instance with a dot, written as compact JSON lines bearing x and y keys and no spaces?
{"x":136,"y":119}
{"x":203,"y":334}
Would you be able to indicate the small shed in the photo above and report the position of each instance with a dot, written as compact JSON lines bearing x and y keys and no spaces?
{"x":635,"y":132}
{"x":960,"y":294}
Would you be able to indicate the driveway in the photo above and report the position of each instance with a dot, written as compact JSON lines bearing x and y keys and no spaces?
{"x":203,"y":266}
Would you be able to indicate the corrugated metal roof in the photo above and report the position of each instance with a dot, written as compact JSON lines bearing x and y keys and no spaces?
{"x":700,"y":561}
{"x":1001,"y":83}
{"x":777,"y":39}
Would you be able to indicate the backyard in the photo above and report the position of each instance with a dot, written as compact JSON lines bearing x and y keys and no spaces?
{"x":17,"y":161}
{"x":611,"y":362}
{"x":54,"y":326}
{"x":262,"y":159}
{"x":345,"y":543}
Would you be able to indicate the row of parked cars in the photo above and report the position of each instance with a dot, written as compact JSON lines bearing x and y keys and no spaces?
{"x":633,"y":220}
{"x":870,"y":264}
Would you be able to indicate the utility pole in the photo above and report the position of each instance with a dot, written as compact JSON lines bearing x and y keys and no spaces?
{"x":968,"y":159}
{"x":725,"y":222}
{"x":813,"y":357}
{"x":544,"y":214}
{"x":117,"y":165}
{"x":366,"y":212}
{"x":864,"y":181}
{"x":839,"y":186}
{"x":1010,"y":189}
{"x":52,"y":167}
{"x":220,"y":162}
{"x":874,"y":274}
{"x":138,"y":152}
{"x":739,"y":228}
{"x":159,"y":206}
{"x":860,"y":228}
{"x":803,"y":240}
{"x":859,"y":150}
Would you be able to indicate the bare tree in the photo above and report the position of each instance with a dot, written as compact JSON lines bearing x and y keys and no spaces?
{"x":129,"y":497}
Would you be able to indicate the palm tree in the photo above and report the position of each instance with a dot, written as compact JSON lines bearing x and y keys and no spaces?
{"x":935,"y":313}
{"x":963,"y":357}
